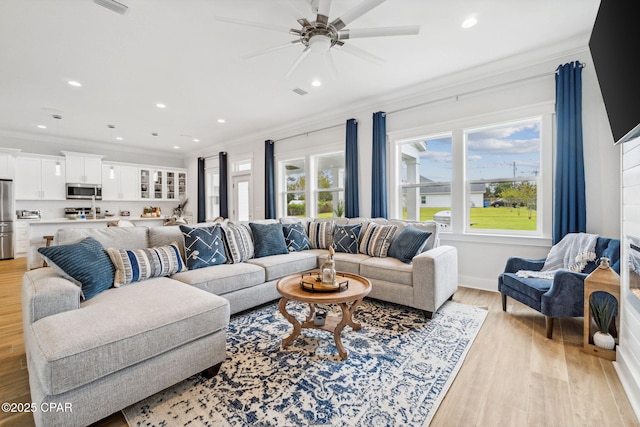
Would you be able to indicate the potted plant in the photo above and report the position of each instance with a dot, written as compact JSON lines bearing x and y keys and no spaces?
{"x":603,"y":310}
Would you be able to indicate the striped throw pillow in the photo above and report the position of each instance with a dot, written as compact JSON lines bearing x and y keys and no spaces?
{"x":237,"y":242}
{"x":320,"y":234}
{"x":134,"y":265}
{"x":376,"y":239}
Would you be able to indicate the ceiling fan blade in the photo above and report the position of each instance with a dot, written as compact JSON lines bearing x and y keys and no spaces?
{"x":295,"y":65}
{"x":362,"y":54}
{"x":270,"y":49}
{"x":252,"y":24}
{"x":355,"y":13}
{"x":296,"y":11}
{"x":408,"y":30}
{"x":324,"y":6}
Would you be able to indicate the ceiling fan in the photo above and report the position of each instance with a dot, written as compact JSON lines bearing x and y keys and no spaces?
{"x":322,"y":36}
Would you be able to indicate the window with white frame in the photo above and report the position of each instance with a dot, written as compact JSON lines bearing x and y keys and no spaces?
{"x":425,"y":174}
{"x":503,"y":174}
{"x":312,"y":185}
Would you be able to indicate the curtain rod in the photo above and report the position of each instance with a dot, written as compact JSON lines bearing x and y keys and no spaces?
{"x":455,"y":97}
{"x":307,"y":133}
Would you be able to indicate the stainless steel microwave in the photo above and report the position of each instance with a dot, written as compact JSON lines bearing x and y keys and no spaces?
{"x":84,"y":191}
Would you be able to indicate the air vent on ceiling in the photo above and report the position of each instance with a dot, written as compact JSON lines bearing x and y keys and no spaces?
{"x":300,"y":91}
{"x":113,"y":5}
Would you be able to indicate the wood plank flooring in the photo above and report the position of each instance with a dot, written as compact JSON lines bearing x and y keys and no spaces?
{"x":512,"y":376}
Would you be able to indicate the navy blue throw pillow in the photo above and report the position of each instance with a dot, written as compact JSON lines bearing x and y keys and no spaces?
{"x":408,"y":244}
{"x":203,"y":246}
{"x":346,"y":238}
{"x":295,"y":237}
{"x":86,"y":263}
{"x":268,"y":239}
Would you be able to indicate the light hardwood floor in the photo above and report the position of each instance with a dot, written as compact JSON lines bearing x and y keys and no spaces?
{"x":512,"y":376}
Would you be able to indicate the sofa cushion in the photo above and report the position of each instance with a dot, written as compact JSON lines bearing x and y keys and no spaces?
{"x":114,"y":330}
{"x":295,"y":236}
{"x":85,"y":263}
{"x":163,"y":236}
{"x":109,"y":237}
{"x":223,"y":278}
{"x":346,"y":238}
{"x":320,"y":234}
{"x":268,"y":239}
{"x":133,"y":265}
{"x":387,"y":269}
{"x":203,"y":246}
{"x":408,"y":243}
{"x":376,"y":239}
{"x":238,"y":242}
{"x":277,"y":266}
{"x":531,"y":287}
{"x":432,"y":242}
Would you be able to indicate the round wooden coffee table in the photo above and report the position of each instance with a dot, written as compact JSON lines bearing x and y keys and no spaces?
{"x":349,"y":300}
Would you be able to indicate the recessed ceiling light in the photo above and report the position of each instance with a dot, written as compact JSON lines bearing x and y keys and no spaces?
{"x":469,"y":22}
{"x":119,"y":138}
{"x":176,"y":147}
{"x":196,"y":140}
{"x":42,"y":126}
{"x":160,"y":105}
{"x":222,"y":121}
{"x":74,"y":83}
{"x":316,"y":83}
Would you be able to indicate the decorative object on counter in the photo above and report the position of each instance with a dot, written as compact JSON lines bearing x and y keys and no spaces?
{"x":151,"y":212}
{"x":27,"y":214}
{"x":125,"y":213}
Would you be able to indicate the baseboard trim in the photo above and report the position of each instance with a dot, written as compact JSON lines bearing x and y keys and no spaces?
{"x":628,"y":380}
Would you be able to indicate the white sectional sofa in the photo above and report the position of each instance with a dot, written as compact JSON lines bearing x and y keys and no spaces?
{"x":126,"y":343}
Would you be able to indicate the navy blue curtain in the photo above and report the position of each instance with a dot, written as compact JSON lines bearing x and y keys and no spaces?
{"x":202,"y":199}
{"x":379,"y":167}
{"x":269,"y":180}
{"x":569,"y":205}
{"x":351,"y":199}
{"x":224,"y":191}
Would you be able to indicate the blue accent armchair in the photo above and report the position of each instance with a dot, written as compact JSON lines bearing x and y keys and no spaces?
{"x":561,"y":297}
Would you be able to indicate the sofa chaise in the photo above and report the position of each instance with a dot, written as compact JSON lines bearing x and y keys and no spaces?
{"x":127,"y":343}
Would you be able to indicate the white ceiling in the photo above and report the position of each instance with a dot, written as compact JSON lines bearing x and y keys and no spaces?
{"x":177,"y":53}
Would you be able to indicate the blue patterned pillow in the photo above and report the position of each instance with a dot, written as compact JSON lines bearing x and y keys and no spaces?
{"x":320,"y":234}
{"x":345,"y":238}
{"x":376,"y":239}
{"x":238,"y":244}
{"x":408,"y":244}
{"x":86,"y":264}
{"x":134,"y":265}
{"x":295,"y":236}
{"x":268,"y":239}
{"x":203,"y":246}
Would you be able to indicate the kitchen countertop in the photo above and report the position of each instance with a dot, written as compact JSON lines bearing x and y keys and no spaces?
{"x":71,"y":221}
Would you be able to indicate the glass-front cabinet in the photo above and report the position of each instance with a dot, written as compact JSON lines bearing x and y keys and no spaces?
{"x":158,"y":184}
{"x":145,"y":184}
{"x":176,"y":185}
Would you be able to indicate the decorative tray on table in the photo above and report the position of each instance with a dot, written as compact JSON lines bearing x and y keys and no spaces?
{"x":312,"y":282}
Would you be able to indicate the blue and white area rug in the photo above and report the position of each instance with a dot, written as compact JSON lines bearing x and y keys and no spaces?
{"x":399,"y":368}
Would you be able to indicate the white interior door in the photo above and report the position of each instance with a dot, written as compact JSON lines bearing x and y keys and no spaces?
{"x":242,"y":207}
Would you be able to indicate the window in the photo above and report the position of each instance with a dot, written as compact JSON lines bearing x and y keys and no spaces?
{"x":212,"y":188}
{"x":295,"y":187}
{"x":503,"y":170}
{"x":329,"y":188}
{"x":426,"y":172}
{"x":312,"y":185}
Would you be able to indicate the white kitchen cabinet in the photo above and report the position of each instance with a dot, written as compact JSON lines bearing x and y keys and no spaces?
{"x":176,"y":185}
{"x":152,"y":184}
{"x":40,"y":178}
{"x":7,"y":165}
{"x":83,"y":168}
{"x":22,"y":238}
{"x":121,"y":184}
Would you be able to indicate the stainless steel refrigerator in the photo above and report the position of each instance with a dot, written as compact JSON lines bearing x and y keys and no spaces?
{"x":6,"y":219}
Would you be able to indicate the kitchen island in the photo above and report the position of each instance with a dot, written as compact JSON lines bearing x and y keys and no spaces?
{"x":37,"y":229}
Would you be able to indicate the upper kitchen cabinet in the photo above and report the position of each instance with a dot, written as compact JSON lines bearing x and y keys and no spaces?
{"x":7,"y":162}
{"x":39,"y":178}
{"x":176,"y":185}
{"x":119,"y":182}
{"x":83,"y":168}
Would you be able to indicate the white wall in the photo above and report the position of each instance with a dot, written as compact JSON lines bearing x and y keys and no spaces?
{"x":488,"y":89}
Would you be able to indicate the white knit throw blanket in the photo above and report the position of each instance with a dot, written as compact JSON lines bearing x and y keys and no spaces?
{"x":572,"y":253}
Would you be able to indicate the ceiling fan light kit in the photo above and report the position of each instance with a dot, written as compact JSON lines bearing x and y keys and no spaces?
{"x":320,"y":36}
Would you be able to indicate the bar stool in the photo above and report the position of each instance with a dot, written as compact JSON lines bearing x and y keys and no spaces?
{"x":49,"y":239}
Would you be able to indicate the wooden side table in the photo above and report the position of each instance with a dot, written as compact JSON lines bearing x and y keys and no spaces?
{"x":349,"y":300}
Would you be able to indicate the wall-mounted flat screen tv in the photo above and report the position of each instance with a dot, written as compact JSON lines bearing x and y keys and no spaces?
{"x":615,"y":46}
